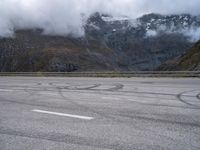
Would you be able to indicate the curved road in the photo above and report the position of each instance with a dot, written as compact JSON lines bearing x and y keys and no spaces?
{"x":99,"y":113}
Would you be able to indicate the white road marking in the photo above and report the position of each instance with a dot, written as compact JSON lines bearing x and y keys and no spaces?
{"x":5,"y":90}
{"x":63,"y":114}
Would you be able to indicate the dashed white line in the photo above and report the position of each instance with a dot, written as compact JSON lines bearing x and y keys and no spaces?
{"x":62,"y":114}
{"x":5,"y":90}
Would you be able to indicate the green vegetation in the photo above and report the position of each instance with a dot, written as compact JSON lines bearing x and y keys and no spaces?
{"x":191,"y":60}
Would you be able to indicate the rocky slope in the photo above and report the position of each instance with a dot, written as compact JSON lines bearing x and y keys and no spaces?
{"x":32,"y":51}
{"x":110,"y":43}
{"x":188,"y":61}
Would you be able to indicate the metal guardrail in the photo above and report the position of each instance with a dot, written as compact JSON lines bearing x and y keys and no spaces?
{"x":107,"y":74}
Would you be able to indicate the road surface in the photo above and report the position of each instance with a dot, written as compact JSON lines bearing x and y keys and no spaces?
{"x":38,"y":113}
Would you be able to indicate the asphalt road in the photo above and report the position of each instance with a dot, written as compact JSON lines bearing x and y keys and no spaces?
{"x":96,"y":113}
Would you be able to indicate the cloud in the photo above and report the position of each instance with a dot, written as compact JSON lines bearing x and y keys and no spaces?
{"x":193,"y":33}
{"x":151,"y":33}
{"x":67,"y":17}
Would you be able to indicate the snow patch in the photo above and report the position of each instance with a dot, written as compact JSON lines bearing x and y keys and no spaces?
{"x":94,"y":26}
{"x":112,"y":19}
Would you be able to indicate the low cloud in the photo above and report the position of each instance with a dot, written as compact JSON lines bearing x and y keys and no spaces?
{"x":67,"y":17}
{"x":192,"y":33}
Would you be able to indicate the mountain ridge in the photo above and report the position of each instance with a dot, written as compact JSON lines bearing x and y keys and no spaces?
{"x":117,"y":45}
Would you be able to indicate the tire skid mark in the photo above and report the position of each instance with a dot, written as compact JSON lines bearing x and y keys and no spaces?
{"x":117,"y":87}
{"x":44,"y":105}
{"x":180,"y":95}
{"x":120,"y":86}
{"x":112,"y":89}
{"x":89,"y":88}
{"x":141,"y":103}
{"x":35,"y":89}
{"x":33,"y":103}
{"x":35,"y":92}
{"x":112,"y":117}
{"x":198,"y":96}
{"x":61,"y":107}
{"x":189,"y":124}
{"x":85,"y":108}
{"x":92,"y":87}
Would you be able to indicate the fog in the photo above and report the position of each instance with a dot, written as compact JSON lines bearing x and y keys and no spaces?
{"x":192,"y":33}
{"x":67,"y":17}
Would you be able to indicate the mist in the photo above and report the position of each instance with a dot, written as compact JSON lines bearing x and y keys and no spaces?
{"x":67,"y":17}
{"x":192,"y":33}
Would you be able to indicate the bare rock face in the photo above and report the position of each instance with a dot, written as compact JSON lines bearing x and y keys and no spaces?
{"x":109,"y":44}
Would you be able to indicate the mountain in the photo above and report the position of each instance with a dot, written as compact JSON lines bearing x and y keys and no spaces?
{"x":30,"y":50}
{"x":188,"y":61}
{"x":110,"y":44}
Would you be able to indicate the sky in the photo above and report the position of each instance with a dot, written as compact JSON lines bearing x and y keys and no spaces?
{"x":64,"y":17}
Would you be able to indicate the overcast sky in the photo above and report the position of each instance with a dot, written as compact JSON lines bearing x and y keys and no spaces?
{"x":64,"y":17}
